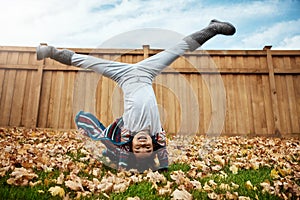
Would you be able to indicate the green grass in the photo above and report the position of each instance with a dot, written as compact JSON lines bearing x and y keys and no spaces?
{"x":255,"y":176}
{"x":13,"y":192}
{"x":144,"y":189}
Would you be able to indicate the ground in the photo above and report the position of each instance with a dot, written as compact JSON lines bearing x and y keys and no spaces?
{"x":52,"y":164}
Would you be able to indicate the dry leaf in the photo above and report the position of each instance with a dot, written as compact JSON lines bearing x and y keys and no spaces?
{"x":231,"y":196}
{"x":207,"y":188}
{"x":212,"y":183}
{"x":155,"y":177}
{"x":244,"y":198}
{"x":35,"y":183}
{"x":249,"y":185}
{"x":60,"y":179}
{"x":105,"y":187}
{"x":3,"y":171}
{"x":274,"y":174}
{"x":57,"y":191}
{"x":212,"y":195}
{"x":165,"y":189}
{"x":21,"y":177}
{"x":225,"y":187}
{"x":216,"y":168}
{"x":267,"y":187}
{"x":234,"y":169}
{"x":75,"y":184}
{"x":181,"y":195}
{"x":196,"y":184}
{"x":133,"y":198}
{"x":234,"y":186}
{"x":120,"y":187}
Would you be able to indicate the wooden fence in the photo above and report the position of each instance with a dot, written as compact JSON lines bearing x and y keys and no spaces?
{"x":233,"y":92}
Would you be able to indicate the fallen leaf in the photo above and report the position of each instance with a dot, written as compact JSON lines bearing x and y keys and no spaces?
{"x":35,"y":183}
{"x":225,"y":187}
{"x":249,"y":185}
{"x":234,"y":186}
{"x":74,"y":185}
{"x":207,"y":188}
{"x":231,"y":196}
{"x":212,"y":195}
{"x":60,"y":179}
{"x":133,"y":198}
{"x":244,"y":198}
{"x":234,"y":169}
{"x":56,"y":190}
{"x":181,"y":195}
{"x":274,"y":174}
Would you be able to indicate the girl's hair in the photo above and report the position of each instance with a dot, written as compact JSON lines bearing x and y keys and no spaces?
{"x":142,"y":164}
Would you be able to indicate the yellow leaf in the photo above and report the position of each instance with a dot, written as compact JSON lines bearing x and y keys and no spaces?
{"x":57,"y":191}
{"x":274,"y":174}
{"x":255,"y":165}
{"x":249,"y":185}
{"x":285,"y":171}
{"x":234,"y":169}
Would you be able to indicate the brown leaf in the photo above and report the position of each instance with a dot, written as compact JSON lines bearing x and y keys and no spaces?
{"x":181,"y":194}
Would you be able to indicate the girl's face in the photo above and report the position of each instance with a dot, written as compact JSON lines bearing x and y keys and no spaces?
{"x":142,"y":146}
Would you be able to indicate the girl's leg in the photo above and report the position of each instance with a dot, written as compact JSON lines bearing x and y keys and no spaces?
{"x":155,"y":64}
{"x":90,"y":125}
{"x":111,"y":69}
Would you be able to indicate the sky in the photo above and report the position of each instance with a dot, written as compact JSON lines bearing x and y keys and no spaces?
{"x":158,"y":23}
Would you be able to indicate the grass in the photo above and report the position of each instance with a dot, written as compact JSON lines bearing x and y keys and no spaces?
{"x":144,"y":189}
{"x":254,"y":176}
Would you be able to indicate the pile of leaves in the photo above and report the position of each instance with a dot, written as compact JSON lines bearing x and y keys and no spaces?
{"x":58,"y":164}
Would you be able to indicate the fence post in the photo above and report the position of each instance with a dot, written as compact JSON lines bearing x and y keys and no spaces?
{"x":273,"y":91}
{"x":146,"y":51}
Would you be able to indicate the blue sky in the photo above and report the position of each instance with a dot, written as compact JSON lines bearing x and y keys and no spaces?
{"x":132,"y":23}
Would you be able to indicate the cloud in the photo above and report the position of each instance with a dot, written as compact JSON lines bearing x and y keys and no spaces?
{"x":276,"y":35}
{"x":90,"y":23}
{"x":290,"y":43}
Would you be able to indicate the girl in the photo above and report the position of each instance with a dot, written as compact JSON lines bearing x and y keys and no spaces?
{"x":138,"y":132}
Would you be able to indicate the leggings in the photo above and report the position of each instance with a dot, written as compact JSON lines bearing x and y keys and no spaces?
{"x":148,"y":68}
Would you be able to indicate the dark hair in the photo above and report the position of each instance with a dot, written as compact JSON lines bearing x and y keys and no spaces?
{"x":142,"y":164}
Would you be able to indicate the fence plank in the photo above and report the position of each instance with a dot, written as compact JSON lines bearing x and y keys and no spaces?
{"x":7,"y":96}
{"x":18,"y":98}
{"x":45,"y":100}
{"x":292,"y":105}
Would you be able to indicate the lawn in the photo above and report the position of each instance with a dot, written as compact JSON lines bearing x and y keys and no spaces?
{"x":50,"y":164}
